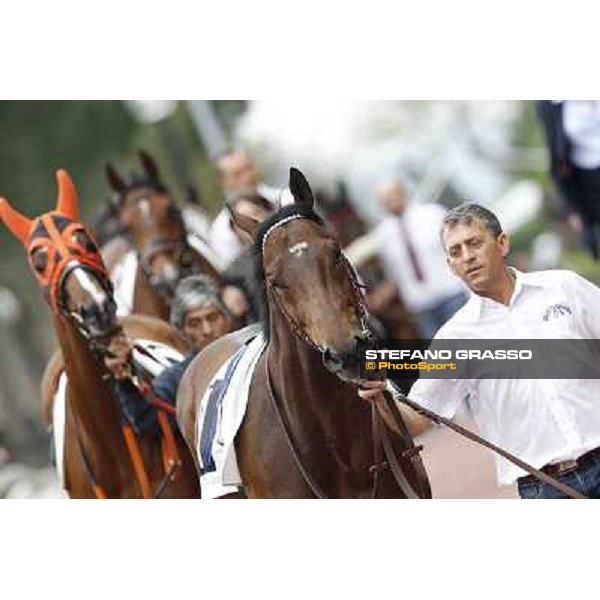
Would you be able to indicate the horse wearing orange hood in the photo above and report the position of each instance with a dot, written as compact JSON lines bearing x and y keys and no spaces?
{"x":102,"y":455}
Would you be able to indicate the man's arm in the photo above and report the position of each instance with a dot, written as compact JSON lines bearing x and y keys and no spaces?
{"x":442,"y":396}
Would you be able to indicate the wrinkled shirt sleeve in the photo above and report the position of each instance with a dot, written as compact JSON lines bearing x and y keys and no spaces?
{"x":587,"y":299}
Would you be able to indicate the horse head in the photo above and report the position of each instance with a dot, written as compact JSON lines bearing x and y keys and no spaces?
{"x":66,"y":261}
{"x":155,"y":224}
{"x":307,"y":277}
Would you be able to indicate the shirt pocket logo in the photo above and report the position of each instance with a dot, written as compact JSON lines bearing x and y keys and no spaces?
{"x":556,"y":311}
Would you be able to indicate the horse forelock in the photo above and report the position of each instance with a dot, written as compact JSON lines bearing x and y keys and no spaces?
{"x":137,"y":182}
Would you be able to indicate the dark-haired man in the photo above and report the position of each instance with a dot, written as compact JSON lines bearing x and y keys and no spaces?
{"x":546,"y":423}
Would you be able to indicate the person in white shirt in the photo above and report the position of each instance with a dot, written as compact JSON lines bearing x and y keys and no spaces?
{"x":572,"y":130}
{"x":238,"y":177}
{"x":413,"y":258}
{"x":551,"y":424}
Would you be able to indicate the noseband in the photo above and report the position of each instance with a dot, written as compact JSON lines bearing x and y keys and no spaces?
{"x":180,"y":250}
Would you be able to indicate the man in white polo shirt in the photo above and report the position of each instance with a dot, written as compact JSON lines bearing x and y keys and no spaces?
{"x":551,"y":424}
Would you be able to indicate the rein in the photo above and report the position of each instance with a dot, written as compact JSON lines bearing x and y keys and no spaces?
{"x":397,"y":395}
{"x":381,"y":441}
{"x":170,"y":453}
{"x":380,"y":435}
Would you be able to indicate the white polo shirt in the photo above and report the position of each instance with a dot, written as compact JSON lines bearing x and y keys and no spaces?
{"x":539,"y":421}
{"x":581,"y":119}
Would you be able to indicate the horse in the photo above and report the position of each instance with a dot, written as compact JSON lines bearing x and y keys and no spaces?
{"x":305,"y":433}
{"x":103,"y":456}
{"x":164,"y":251}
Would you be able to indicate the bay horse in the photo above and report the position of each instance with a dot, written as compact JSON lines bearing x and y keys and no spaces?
{"x":305,"y":433}
{"x":103,"y":457}
{"x":155,"y":229}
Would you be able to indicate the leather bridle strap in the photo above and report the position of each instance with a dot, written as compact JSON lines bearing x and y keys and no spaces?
{"x":400,"y":397}
{"x":98,"y":490}
{"x":380,"y":439}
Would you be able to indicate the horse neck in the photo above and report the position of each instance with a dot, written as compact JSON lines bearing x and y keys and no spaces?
{"x":146,"y":300}
{"x":205,"y":267}
{"x":318,"y":401}
{"x":89,"y":397}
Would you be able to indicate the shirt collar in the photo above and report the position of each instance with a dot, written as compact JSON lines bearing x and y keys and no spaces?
{"x":477,"y":303}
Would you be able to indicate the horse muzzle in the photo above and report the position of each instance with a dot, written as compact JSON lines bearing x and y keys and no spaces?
{"x":99,"y":319}
{"x":347,"y":365}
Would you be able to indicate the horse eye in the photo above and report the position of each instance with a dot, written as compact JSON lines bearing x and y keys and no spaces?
{"x":83,"y":239}
{"x":279,"y":286}
{"x":39,"y":260}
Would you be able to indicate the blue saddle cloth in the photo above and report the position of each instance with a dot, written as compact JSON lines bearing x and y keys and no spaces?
{"x":211,"y":417}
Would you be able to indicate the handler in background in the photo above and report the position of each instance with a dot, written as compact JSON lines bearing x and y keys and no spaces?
{"x":199,"y":314}
{"x":551,"y":424}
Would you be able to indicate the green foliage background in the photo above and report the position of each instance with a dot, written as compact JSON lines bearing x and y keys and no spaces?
{"x":40,"y":136}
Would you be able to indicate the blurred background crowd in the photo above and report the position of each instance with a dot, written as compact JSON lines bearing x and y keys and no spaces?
{"x":384,"y":172}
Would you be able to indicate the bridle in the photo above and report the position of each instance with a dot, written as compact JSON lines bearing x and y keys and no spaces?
{"x":184,"y":260}
{"x":63,"y":257}
{"x":178,"y":248}
{"x":355,"y":286}
{"x":382,"y":444}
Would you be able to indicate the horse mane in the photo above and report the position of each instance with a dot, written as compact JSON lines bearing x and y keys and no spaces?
{"x":262,"y":302}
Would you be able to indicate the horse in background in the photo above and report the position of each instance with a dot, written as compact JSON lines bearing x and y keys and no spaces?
{"x":103,"y":457}
{"x":305,"y":432}
{"x":164,"y":251}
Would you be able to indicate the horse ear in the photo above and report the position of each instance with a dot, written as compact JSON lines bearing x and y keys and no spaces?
{"x":149,"y":165}
{"x":114,"y":179}
{"x":300,"y":188}
{"x":67,"y":204}
{"x":19,"y":225}
{"x":192,"y":196}
{"x":244,"y":222}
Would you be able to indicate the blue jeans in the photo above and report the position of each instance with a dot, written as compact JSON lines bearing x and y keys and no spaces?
{"x":584,"y":479}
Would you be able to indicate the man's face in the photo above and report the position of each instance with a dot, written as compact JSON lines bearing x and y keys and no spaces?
{"x":237,"y":173}
{"x":204,"y":325}
{"x":392,"y":197}
{"x":475,"y":255}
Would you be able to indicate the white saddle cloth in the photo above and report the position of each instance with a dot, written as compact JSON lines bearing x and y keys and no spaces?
{"x":226,"y":479}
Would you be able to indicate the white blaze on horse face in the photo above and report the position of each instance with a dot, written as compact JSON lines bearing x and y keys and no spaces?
{"x":90,"y":285}
{"x":170,"y":271}
{"x":298,"y":249}
{"x":144,"y":206}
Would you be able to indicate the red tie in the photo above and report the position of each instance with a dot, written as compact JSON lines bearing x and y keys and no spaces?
{"x":410,"y":249}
